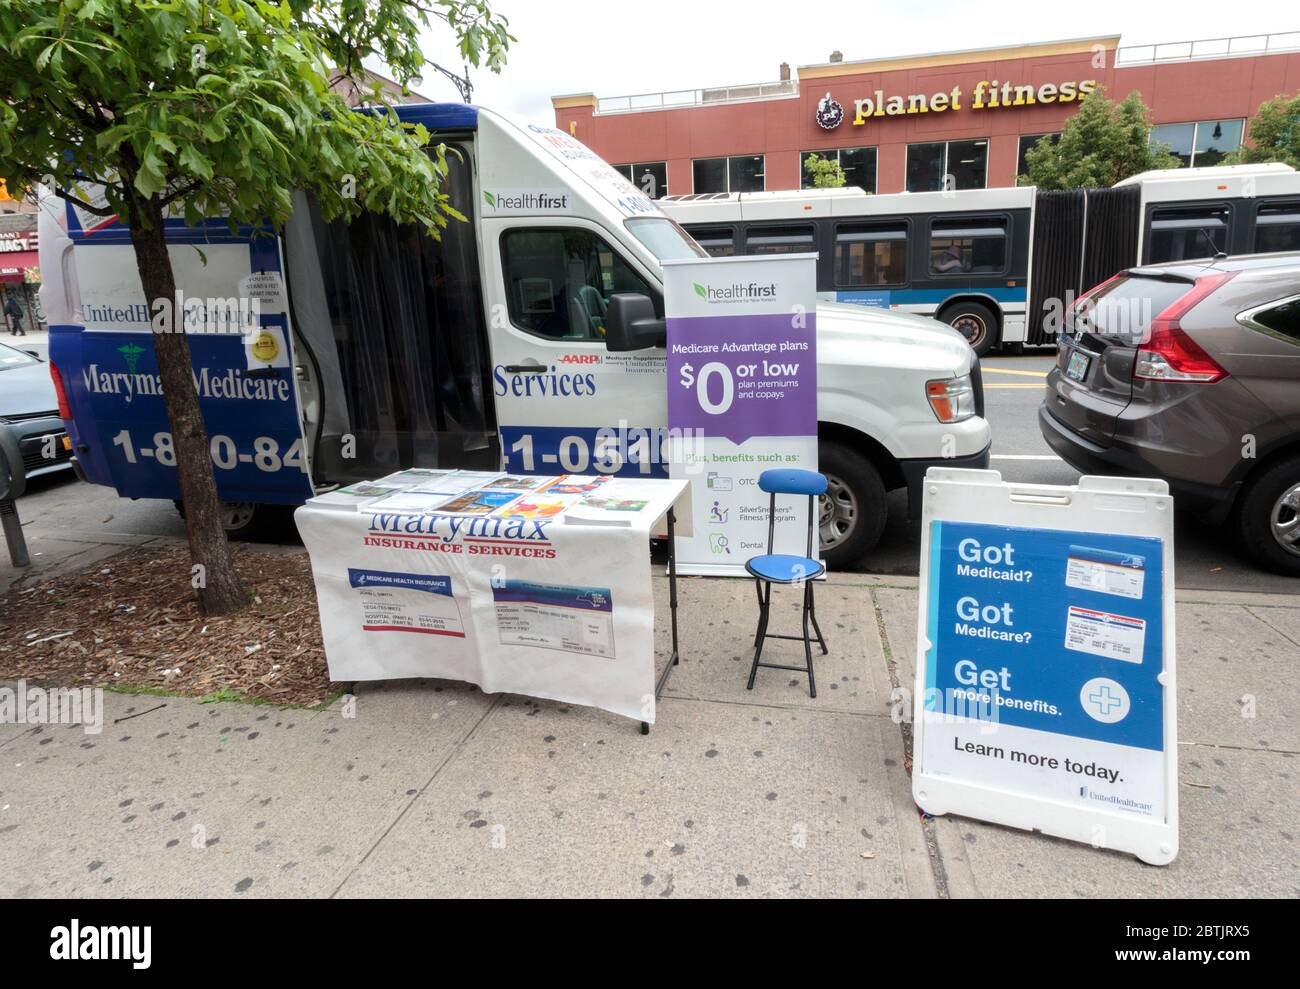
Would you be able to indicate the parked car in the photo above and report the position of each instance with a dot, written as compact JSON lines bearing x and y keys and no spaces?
{"x":28,"y":404}
{"x":1190,"y":371}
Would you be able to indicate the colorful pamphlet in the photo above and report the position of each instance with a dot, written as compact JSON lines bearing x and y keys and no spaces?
{"x":534,"y":507}
{"x":516,"y":482}
{"x":477,"y":502}
{"x":575,"y":484}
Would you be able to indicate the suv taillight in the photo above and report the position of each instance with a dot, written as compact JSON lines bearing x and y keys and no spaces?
{"x":1170,"y":354}
{"x":65,"y":410}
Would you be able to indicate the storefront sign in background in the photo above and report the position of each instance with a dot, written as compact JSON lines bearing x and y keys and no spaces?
{"x":742,"y":399}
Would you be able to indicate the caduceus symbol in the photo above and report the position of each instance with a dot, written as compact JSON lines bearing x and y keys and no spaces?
{"x":131,"y":354}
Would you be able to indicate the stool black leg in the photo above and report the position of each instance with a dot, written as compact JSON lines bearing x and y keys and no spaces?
{"x":765,"y":602}
{"x":807,"y":643}
{"x":812,"y":611}
{"x":758,"y":632}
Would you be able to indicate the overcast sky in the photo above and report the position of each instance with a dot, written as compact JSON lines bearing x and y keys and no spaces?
{"x":612,"y":48}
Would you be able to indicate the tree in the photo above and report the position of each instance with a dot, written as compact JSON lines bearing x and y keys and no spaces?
{"x":210,"y":108}
{"x":1274,"y":134}
{"x":1102,"y":143}
{"x":826,"y":173}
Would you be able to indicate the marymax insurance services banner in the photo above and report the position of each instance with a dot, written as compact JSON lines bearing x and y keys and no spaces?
{"x":742,"y":399}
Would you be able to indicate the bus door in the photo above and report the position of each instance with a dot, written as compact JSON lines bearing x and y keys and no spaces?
{"x":564,"y":403}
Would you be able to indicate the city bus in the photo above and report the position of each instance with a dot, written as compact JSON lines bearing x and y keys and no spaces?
{"x":992,"y":263}
{"x":501,"y":345}
{"x":960,"y":257}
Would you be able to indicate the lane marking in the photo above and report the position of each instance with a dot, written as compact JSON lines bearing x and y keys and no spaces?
{"x":1023,"y":456}
{"x":1007,"y":370}
{"x":1040,"y":385}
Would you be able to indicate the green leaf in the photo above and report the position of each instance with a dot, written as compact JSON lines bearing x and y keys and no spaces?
{"x":701,"y":291}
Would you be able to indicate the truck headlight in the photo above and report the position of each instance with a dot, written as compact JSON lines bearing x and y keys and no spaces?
{"x":952,"y":399}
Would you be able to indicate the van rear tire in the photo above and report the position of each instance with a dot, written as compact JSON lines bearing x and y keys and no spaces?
{"x":977,"y":323}
{"x":255,"y":522}
{"x":1269,"y":506}
{"x":853,"y":511}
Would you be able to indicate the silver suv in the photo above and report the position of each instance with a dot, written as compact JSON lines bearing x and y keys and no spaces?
{"x":1190,"y":372}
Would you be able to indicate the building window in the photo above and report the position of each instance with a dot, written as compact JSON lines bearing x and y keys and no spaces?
{"x":743,"y":173}
{"x":966,"y":162}
{"x":859,"y":166}
{"x":1188,"y":232}
{"x":968,"y":245}
{"x":1201,"y":144}
{"x":1028,"y":141}
{"x":788,"y":239}
{"x":868,"y":254}
{"x":651,"y":177}
{"x":1277,"y":228}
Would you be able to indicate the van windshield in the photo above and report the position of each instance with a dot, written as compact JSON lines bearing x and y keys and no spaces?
{"x":664,"y":238}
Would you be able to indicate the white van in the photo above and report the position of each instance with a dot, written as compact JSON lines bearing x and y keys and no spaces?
{"x":495,"y":346}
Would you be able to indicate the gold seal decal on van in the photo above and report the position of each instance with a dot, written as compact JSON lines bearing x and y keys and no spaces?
{"x":265,"y":347}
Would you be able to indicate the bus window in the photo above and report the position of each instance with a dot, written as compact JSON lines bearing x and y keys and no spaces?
{"x":1277,"y":227}
{"x":968,"y":246}
{"x":559,"y":280}
{"x":870,"y":254}
{"x":720,"y":242}
{"x":780,"y":240}
{"x":1187,"y":232}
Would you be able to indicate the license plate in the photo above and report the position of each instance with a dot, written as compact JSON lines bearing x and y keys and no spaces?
{"x":1077,"y":369}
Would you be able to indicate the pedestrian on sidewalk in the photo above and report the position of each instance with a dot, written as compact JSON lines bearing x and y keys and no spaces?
{"x":15,"y":313}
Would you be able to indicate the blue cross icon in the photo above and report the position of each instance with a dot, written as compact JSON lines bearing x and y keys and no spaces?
{"x":1105,"y":700}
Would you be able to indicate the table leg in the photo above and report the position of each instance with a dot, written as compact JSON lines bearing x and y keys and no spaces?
{"x":672,"y":608}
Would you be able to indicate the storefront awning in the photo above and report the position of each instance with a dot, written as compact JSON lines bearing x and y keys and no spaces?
{"x":13,"y":264}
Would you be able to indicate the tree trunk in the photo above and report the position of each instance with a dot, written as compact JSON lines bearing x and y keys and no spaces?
{"x":219,"y":588}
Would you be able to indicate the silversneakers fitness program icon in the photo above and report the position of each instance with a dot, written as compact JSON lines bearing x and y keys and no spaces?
{"x":829,"y":113}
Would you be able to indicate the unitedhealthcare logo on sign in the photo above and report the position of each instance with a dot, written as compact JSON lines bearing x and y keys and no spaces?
{"x":736,"y":292}
{"x":526,"y":200}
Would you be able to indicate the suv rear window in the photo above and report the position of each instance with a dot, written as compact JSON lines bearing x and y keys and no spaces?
{"x":1123,"y":311}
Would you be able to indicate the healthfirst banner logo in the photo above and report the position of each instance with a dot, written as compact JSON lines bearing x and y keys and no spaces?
{"x":526,"y":202}
{"x":742,"y":381}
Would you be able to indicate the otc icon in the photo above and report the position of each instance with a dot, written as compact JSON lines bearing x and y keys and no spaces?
{"x":718,"y":482}
{"x":1104,"y":700}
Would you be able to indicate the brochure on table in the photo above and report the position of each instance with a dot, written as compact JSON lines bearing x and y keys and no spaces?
{"x":515,"y":583}
{"x":1045,"y":644}
{"x":742,"y":398}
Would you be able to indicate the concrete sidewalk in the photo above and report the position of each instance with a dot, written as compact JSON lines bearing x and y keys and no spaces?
{"x":433,"y":788}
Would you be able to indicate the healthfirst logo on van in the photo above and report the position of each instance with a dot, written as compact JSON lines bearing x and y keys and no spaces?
{"x":527,"y":201}
{"x":736,"y":292}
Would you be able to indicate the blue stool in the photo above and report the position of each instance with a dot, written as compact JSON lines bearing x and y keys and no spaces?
{"x":776,"y":568}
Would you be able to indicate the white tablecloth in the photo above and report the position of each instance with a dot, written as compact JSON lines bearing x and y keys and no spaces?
{"x":530,"y":585}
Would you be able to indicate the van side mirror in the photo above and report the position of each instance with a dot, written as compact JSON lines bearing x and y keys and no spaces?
{"x":631,"y":323}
